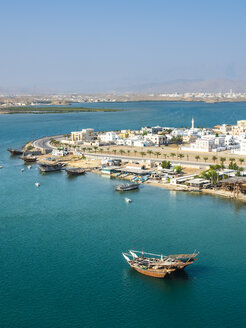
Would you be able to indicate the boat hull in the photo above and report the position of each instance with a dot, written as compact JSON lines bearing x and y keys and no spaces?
{"x":29,"y":160}
{"x":75,"y":172}
{"x":127,"y":188}
{"x":50,"y":169}
{"x":15,"y":151}
{"x":150,"y":273}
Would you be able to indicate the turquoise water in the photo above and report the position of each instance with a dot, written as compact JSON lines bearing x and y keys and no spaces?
{"x":61,"y":244}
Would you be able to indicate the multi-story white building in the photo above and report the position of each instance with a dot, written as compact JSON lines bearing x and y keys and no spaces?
{"x":109,"y":137}
{"x":242,"y":149}
{"x":156,"y":139}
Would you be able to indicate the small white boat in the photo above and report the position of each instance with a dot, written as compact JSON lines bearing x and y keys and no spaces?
{"x":29,"y":167}
{"x":1,"y":167}
{"x":37,"y":184}
{"x":22,"y":170}
{"x":128,"y":200}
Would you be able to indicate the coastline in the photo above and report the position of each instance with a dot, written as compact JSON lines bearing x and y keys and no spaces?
{"x":53,"y":110}
{"x":58,"y":109}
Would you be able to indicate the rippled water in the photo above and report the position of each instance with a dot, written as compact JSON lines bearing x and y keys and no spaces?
{"x":61,"y":244}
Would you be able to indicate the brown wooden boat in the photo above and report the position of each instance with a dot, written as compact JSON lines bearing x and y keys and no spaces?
{"x":15,"y":151}
{"x":156,"y":271}
{"x":152,"y":270}
{"x":74,"y":170}
{"x":159,"y":265}
{"x":178,"y":262}
{"x":28,"y":159}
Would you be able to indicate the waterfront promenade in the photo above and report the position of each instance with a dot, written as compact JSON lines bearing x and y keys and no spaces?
{"x":171,"y":153}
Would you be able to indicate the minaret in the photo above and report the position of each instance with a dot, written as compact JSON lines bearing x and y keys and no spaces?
{"x":192,"y":124}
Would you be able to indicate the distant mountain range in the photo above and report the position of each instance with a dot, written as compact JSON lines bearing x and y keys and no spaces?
{"x":179,"y":86}
{"x":182,"y":86}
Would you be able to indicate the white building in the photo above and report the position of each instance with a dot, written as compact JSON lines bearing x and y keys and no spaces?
{"x":242,"y":149}
{"x":156,"y":139}
{"x":109,"y":137}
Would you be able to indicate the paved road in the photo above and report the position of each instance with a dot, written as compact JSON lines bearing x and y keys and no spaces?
{"x":43,"y":143}
{"x":177,"y":162}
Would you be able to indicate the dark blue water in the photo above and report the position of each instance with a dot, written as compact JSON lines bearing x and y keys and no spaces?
{"x":61,"y":244}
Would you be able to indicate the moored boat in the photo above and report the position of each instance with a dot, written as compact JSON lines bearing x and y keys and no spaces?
{"x":155,"y":261}
{"x":15,"y":151}
{"x":127,"y":187}
{"x":74,"y":171}
{"x":28,"y":158}
{"x":152,"y":270}
{"x":128,"y":200}
{"x":51,"y":167}
{"x":178,"y":261}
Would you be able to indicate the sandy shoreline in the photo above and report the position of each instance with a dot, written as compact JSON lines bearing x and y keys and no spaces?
{"x":92,"y":166}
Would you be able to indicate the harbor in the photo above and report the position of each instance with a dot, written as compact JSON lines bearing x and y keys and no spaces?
{"x":137,"y":171}
{"x":66,"y":237}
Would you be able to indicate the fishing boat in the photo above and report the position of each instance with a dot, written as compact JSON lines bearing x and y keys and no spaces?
{"x":128,"y":200}
{"x":51,"y":167}
{"x":37,"y":184}
{"x":177,"y":262}
{"x":15,"y":151}
{"x":74,"y":171}
{"x":153,"y":270}
{"x":127,"y":187}
{"x":28,"y":158}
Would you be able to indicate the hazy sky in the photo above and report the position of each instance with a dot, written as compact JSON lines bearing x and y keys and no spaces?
{"x":104,"y":45}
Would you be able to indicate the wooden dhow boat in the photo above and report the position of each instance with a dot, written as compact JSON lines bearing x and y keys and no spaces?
{"x":15,"y":151}
{"x":51,"y":167}
{"x":149,"y":269}
{"x":158,"y":265}
{"x":74,"y":170}
{"x":178,"y":261}
{"x":28,"y":158}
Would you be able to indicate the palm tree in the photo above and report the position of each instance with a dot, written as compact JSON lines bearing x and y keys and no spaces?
{"x":241,"y":160}
{"x":172,"y":154}
{"x":108,"y":149}
{"x":180,"y":156}
{"x":187,"y":157}
{"x":95,"y":148}
{"x":122,"y":151}
{"x":222,"y":159}
{"x":135,"y":152}
{"x":149,"y":152}
{"x":205,"y":159}
{"x":101,"y":150}
{"x":84,"y":149}
{"x":214,"y":158}
{"x":197,"y":157}
{"x":165,"y":156}
{"x":128,"y":152}
{"x":232,"y":159}
{"x":114,"y":151}
{"x":142,"y":153}
{"x":157,"y":153}
{"x":89,"y":149}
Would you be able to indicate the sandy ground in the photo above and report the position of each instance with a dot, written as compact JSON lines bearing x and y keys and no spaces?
{"x":170,"y":152}
{"x":93,"y":165}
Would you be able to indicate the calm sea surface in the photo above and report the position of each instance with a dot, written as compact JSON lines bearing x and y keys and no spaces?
{"x":61,"y":244}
